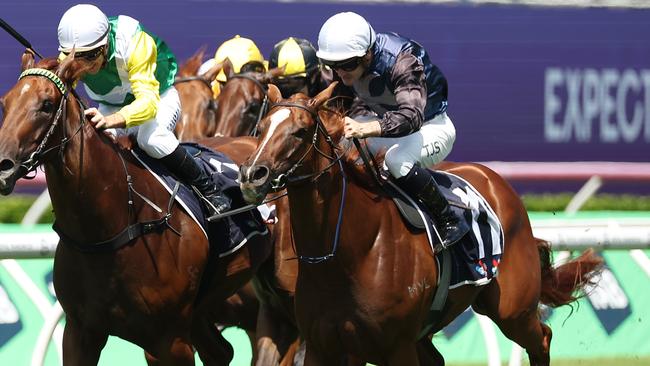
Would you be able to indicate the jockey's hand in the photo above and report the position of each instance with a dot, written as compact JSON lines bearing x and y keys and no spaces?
{"x":354,"y":129}
{"x":102,"y":122}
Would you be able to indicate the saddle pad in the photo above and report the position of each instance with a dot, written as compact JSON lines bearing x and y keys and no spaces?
{"x":476,"y":257}
{"x":229,"y":234}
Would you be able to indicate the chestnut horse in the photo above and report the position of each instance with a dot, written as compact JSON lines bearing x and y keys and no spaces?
{"x":241,"y":104}
{"x":367,"y":280}
{"x":199,"y":108}
{"x":161,"y":289}
{"x":239,"y":108}
{"x":242,"y":101}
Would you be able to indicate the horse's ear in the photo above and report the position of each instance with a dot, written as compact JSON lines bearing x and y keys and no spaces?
{"x":27,"y":60}
{"x":274,"y":94}
{"x":323,"y":96}
{"x":70,"y":70}
{"x":198,"y":55}
{"x":271,"y":75}
{"x":211,"y":74}
{"x":333,"y":122}
{"x":275,"y":72}
{"x":228,"y":69}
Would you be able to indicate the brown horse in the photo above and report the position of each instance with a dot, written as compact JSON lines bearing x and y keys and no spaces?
{"x":367,"y":281}
{"x":199,"y":108}
{"x":242,"y":101}
{"x":158,"y":290}
{"x":240,"y":106}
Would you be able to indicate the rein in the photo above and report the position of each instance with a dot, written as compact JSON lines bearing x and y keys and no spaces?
{"x":34,"y":161}
{"x":265,"y":102}
{"x":193,"y":78}
{"x":283,"y":179}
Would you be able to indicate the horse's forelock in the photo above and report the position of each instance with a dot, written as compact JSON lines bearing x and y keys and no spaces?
{"x":50,"y":63}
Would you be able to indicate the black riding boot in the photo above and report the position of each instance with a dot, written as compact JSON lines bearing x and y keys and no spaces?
{"x":420,"y":184}
{"x":184,"y":167}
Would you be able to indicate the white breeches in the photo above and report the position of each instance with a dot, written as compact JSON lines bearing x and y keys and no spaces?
{"x":428,"y":146}
{"x":155,"y":136}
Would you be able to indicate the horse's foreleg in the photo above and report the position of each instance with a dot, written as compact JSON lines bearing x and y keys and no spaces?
{"x":170,"y":351}
{"x":295,"y":355}
{"x":81,"y":346}
{"x":331,"y":358}
{"x":403,"y":354}
{"x":212,"y":347}
{"x":275,"y":337}
{"x":428,"y":355}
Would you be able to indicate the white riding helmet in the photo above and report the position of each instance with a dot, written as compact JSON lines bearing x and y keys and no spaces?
{"x":343,"y":36}
{"x":83,"y":27}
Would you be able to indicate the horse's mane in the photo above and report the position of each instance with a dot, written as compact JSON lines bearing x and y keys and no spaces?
{"x":351,"y":157}
{"x":191,"y":66}
{"x":50,"y":63}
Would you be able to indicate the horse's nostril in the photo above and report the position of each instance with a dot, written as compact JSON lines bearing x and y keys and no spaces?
{"x":6,"y":164}
{"x":260,"y":173}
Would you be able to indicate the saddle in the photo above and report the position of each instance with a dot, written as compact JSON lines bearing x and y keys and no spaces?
{"x":472,"y":260}
{"x":236,"y":229}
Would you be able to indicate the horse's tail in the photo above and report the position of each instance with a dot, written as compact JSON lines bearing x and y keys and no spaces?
{"x":560,"y":286}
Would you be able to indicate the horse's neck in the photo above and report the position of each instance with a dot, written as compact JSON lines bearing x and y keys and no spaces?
{"x":314,"y":208}
{"x":88,"y":173}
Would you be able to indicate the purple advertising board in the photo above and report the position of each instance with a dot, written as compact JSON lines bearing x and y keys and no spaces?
{"x":525,"y":83}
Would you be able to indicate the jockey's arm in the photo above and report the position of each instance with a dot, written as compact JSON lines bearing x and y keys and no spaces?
{"x":141,"y":66}
{"x":411,"y":94}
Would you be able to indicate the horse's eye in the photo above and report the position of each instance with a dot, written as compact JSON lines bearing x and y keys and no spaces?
{"x":47,"y":106}
{"x":301,"y":133}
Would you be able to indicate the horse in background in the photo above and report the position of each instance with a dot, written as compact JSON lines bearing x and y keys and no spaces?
{"x":159,"y":289}
{"x":242,"y":101}
{"x":269,"y":324}
{"x":199,"y":108}
{"x":366,"y":280}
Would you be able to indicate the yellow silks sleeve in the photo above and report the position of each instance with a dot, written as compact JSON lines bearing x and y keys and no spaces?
{"x":141,"y":66}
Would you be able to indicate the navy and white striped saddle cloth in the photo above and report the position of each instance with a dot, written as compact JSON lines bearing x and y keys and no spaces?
{"x":476,"y":257}
{"x":226,"y":235}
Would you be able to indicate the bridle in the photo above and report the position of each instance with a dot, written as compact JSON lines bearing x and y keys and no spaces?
{"x":265,"y":100}
{"x":130,"y":232}
{"x":186,"y":79}
{"x":288,"y":178}
{"x":35,"y":158}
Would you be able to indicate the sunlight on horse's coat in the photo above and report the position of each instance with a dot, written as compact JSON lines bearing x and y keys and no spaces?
{"x":276,"y":118}
{"x":25,"y":89}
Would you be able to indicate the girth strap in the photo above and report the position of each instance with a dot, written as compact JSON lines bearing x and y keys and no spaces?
{"x":127,"y":235}
{"x":431,"y":324}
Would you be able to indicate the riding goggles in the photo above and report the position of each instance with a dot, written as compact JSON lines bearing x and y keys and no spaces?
{"x":88,"y":55}
{"x":345,"y":65}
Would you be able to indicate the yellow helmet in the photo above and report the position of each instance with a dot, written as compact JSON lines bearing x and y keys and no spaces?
{"x":240,"y":51}
{"x":297,"y":55}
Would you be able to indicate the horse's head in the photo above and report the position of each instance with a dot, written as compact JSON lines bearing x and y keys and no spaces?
{"x":243,"y":100}
{"x":293,"y":134}
{"x":195,"y":92}
{"x":32,"y":109}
